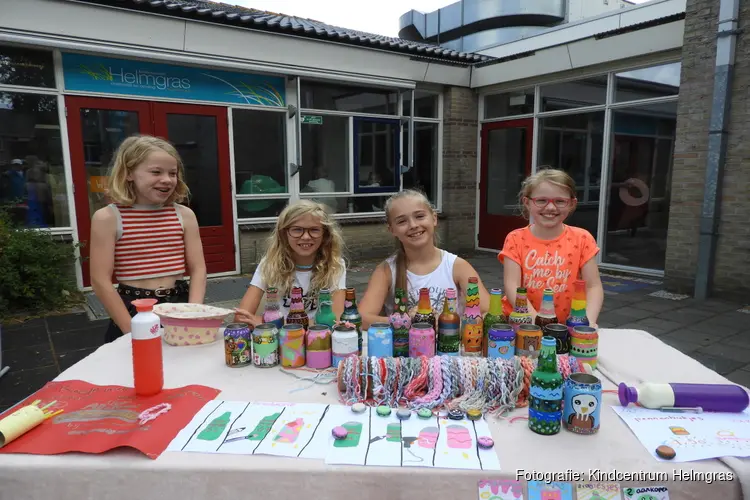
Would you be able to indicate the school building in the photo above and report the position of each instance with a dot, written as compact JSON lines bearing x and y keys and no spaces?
{"x":266,"y":108}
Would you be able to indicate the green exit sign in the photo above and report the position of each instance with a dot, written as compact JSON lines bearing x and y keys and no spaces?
{"x":312,"y":119}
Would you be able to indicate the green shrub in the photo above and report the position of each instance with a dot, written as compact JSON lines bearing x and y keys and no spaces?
{"x":35,"y":270}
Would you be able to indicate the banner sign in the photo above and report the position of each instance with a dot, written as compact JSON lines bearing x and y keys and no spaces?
{"x":103,"y":75}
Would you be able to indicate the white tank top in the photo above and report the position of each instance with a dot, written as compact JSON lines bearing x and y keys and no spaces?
{"x":438,"y":281}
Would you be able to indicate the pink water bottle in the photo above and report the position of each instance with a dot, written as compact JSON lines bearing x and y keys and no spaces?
{"x":148,"y":364}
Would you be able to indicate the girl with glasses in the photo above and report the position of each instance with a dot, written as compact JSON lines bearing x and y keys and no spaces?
{"x":305,"y":250}
{"x":548,"y":253}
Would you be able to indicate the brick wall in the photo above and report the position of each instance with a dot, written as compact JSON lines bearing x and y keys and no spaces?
{"x":731,"y":272}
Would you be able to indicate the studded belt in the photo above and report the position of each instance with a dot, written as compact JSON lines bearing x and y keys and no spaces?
{"x":180,"y":287}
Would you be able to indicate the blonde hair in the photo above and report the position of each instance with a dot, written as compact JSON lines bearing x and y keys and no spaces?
{"x":132,"y":152}
{"x":545,"y":174}
{"x":400,"y":279}
{"x":279,"y":268}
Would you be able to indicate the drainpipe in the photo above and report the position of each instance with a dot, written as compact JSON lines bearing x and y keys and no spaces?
{"x":726,"y":41}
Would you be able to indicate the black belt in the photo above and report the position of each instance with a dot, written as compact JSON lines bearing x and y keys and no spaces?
{"x":180,"y":287}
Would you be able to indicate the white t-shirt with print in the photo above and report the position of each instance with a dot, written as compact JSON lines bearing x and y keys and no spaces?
{"x":301,"y":279}
{"x":437,"y":282}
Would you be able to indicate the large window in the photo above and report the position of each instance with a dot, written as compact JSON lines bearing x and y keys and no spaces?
{"x":260,"y":164}
{"x":634,"y":153}
{"x":33,"y":186}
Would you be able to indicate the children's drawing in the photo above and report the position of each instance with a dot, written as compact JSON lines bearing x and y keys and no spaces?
{"x":385,"y":448}
{"x":458,"y":436}
{"x":583,"y":411}
{"x":500,"y":489}
{"x":354,"y":433}
{"x":293,"y":430}
{"x":539,"y":490}
{"x":598,"y":491}
{"x":263,"y":427}
{"x":353,"y":449}
{"x":428,"y":437}
{"x":646,"y":493}
{"x":710,"y":435}
{"x":290,"y":431}
{"x":215,"y":428}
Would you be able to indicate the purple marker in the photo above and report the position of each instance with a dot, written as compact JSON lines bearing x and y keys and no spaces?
{"x":710,"y":397}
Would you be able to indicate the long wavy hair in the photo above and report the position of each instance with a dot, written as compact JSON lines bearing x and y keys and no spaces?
{"x":401,"y":264}
{"x":328,"y":267}
{"x":132,"y":152}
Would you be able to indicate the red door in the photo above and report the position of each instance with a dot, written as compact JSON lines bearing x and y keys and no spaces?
{"x":506,"y":162}
{"x":96,"y":127}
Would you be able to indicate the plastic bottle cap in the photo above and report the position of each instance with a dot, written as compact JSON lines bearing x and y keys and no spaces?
{"x":627,"y":394}
{"x":144,"y":305}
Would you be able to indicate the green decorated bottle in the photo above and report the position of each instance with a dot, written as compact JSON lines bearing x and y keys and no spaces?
{"x":351,"y":315}
{"x":520,"y":314}
{"x":493,"y":317}
{"x":400,"y":322}
{"x":546,"y":314}
{"x":449,"y":324}
{"x":546,"y":391}
{"x":325,"y":315}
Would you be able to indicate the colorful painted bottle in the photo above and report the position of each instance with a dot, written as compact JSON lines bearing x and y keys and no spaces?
{"x":424,"y":314}
{"x":325,"y":315}
{"x":148,"y":363}
{"x":401,"y":323}
{"x":471,"y":322}
{"x":520,"y":314}
{"x":546,"y":315}
{"x":494,"y":316}
{"x":577,"y":307}
{"x":272,"y":313}
{"x":297,"y":314}
{"x":351,"y":315}
{"x":449,"y":324}
{"x":546,"y":391}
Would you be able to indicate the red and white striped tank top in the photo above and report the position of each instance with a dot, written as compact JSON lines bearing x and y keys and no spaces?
{"x":149,"y":242}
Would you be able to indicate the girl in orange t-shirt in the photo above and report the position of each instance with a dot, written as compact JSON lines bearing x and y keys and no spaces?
{"x":549,"y":253}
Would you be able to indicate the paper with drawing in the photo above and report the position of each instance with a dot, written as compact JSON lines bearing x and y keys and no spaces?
{"x":694,"y":436}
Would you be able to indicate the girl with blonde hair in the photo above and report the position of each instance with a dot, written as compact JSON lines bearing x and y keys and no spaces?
{"x":145,"y":238}
{"x":548,"y":253}
{"x":417,"y":263}
{"x":305,"y":250}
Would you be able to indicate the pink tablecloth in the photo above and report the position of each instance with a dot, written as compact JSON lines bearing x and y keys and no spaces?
{"x":625,"y":355}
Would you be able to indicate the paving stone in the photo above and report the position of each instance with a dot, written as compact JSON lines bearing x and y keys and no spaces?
{"x":722,"y":366}
{"x":84,"y":338}
{"x":741,"y":377}
{"x":67,"y":322}
{"x":658,"y":325}
{"x":717,"y":306}
{"x":30,"y":357}
{"x":24,"y":326}
{"x":683,"y":346}
{"x":16,"y":385}
{"x":717,"y":329}
{"x":67,"y":359}
{"x":617,"y":317}
{"x":656,"y":306}
{"x":731,"y":319}
{"x":686,"y":315}
{"x":722,"y":350}
{"x":739,"y":340}
{"x":701,"y":339}
{"x":23,"y":337}
{"x":634,"y":313}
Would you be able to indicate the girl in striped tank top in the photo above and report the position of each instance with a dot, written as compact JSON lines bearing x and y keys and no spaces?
{"x":145,"y":238}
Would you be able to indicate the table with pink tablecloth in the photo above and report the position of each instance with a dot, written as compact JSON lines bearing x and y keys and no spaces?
{"x":630,"y":356}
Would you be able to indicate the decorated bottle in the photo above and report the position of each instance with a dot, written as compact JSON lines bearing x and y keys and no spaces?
{"x":449,"y":324}
{"x":400,"y":322}
{"x":546,"y":314}
{"x":546,"y":391}
{"x":424,"y":313}
{"x":520,"y":314}
{"x":324,"y":315}
{"x":471,"y":322}
{"x":577,"y":307}
{"x":351,"y":315}
{"x":493,"y":317}
{"x":297,"y":312}
{"x":148,"y":361}
{"x":272,"y":313}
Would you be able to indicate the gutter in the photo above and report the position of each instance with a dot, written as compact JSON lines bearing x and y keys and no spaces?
{"x":726,"y":42}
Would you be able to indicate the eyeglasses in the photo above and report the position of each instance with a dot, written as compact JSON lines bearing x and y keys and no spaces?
{"x":298,"y":232}
{"x":558,"y":202}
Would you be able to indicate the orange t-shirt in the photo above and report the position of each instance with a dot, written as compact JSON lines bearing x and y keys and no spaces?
{"x":552,"y":264}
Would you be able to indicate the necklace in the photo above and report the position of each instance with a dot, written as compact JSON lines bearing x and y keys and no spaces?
{"x":303,"y":268}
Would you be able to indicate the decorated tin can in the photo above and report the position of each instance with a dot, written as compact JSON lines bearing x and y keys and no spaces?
{"x":501,"y":341}
{"x":421,"y":340}
{"x":380,"y":340}
{"x":292,"y":345}
{"x":528,"y":340}
{"x":266,"y":345}
{"x":559,"y":332}
{"x":318,"y":343}
{"x":238,"y":345}
{"x":582,"y":396}
{"x":344,"y":343}
{"x":584,"y":344}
